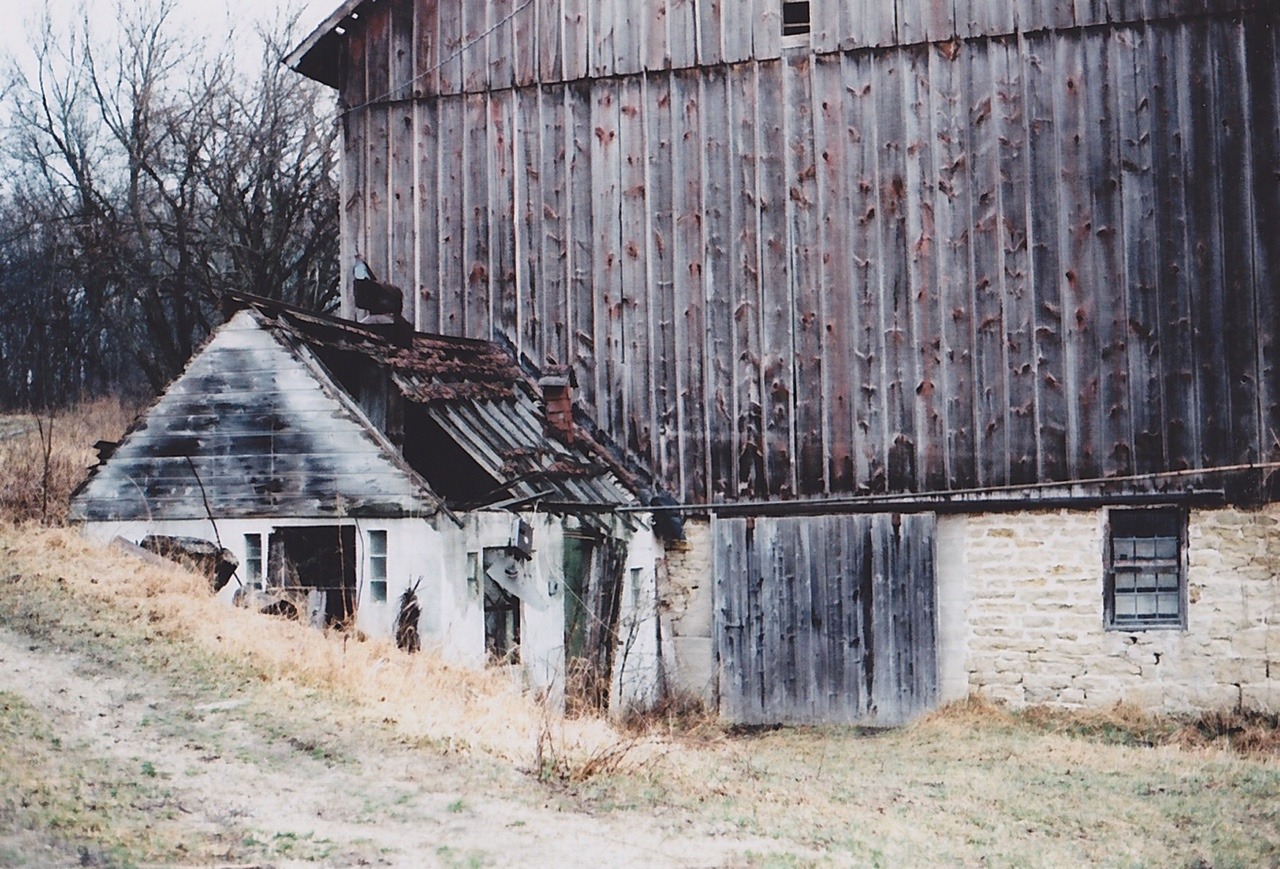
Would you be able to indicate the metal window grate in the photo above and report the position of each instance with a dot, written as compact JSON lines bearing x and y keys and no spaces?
{"x":1145,"y":570}
{"x":795,"y":17}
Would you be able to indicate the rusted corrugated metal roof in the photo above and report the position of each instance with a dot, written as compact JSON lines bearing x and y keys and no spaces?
{"x":479,"y":395}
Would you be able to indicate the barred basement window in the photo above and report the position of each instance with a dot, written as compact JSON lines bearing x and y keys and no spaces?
{"x":795,"y":17}
{"x":1146,"y":580}
{"x":378,"y":566}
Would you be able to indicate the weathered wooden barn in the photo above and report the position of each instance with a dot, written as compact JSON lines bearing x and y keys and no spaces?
{"x":952,"y":326}
{"x":345,"y":465}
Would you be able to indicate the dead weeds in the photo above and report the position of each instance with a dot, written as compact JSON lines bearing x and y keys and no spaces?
{"x":44,"y":457}
{"x":1250,"y":733}
{"x":167,"y":611}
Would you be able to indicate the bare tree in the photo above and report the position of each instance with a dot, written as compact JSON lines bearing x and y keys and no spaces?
{"x":143,"y":187}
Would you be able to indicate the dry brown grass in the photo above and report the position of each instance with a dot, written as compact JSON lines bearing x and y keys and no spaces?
{"x":44,"y":457}
{"x":972,"y":782}
{"x":1241,"y":731}
{"x":423,"y":698}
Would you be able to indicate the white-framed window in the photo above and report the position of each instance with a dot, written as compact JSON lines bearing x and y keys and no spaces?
{"x":253,"y":560}
{"x":377,"y":566}
{"x":1146,"y":576}
{"x":795,"y":17}
{"x":637,"y":576}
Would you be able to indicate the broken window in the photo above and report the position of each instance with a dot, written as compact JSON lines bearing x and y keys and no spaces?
{"x":253,"y":560}
{"x":1146,"y":581}
{"x":318,"y":560}
{"x":378,"y":566}
{"x":594,"y":568}
{"x":795,"y":17}
{"x":579,"y":549}
{"x":501,"y":606}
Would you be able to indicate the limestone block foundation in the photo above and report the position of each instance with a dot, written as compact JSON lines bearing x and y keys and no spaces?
{"x":1033,"y":629}
{"x":1020,"y":608}
{"x":685,"y":608}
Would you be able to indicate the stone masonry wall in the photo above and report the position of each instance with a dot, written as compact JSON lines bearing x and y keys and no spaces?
{"x":684,"y":604}
{"x":1034,"y":614}
{"x":1021,"y":614}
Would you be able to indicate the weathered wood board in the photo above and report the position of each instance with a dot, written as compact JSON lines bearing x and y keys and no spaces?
{"x":1039,"y":251}
{"x":825,"y":618}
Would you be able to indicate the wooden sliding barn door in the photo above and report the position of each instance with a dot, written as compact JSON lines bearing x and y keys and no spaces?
{"x":826,"y":618}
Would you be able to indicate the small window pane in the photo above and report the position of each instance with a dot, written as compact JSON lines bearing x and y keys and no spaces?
{"x":795,"y":17}
{"x":1146,"y":575}
{"x":1145,"y":604}
{"x":378,"y":566}
{"x":253,"y":558}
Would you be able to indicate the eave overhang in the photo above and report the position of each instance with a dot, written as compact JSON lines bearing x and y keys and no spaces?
{"x":317,"y":56}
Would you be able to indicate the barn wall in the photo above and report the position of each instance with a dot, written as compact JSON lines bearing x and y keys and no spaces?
{"x":427,"y":48}
{"x":1020,"y":608}
{"x":998,"y":260}
{"x":1034,"y":615}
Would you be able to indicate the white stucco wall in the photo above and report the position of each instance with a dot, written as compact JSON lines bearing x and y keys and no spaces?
{"x":637,"y":669}
{"x":452,"y":621}
{"x":542,"y":598}
{"x":415,"y":550}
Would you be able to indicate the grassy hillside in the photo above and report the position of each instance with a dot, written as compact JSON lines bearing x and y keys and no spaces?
{"x":223,"y":723}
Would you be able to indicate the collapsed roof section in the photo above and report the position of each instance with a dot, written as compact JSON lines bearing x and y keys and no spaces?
{"x":292,"y":413}
{"x":467,"y":415}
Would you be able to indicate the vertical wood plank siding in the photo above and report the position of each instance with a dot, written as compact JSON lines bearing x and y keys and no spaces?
{"x":825,"y":618}
{"x":967,"y":244}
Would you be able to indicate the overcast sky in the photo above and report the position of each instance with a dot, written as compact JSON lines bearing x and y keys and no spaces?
{"x":209,"y":18}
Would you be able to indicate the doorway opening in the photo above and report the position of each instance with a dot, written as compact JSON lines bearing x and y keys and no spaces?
{"x":319,"y":562}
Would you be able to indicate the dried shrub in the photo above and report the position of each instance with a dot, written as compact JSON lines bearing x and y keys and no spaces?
{"x":1244,"y":731}
{"x":44,"y":457}
{"x":556,"y":761}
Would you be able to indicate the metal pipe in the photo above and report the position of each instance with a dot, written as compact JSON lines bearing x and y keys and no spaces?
{"x":908,"y":504}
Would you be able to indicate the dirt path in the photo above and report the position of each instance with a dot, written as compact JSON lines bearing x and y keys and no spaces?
{"x":341,"y":801}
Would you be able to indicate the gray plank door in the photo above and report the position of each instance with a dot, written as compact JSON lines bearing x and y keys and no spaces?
{"x":826,"y":618}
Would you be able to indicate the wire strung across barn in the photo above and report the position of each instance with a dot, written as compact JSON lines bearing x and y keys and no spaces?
{"x":457,"y":52}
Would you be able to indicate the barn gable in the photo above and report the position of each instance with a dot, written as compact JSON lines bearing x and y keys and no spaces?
{"x":253,"y":427}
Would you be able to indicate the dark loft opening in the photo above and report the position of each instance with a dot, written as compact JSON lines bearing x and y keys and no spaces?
{"x":795,"y":17}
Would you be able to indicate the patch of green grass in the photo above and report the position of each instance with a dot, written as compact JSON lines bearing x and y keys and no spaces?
{"x":471,"y":859}
{"x":456,"y":806}
{"x":295,"y":846}
{"x":59,"y":797}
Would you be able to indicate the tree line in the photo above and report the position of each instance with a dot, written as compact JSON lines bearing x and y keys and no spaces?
{"x":143,"y":177}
